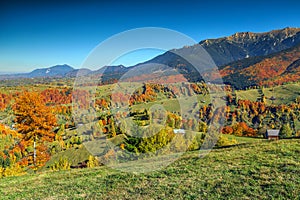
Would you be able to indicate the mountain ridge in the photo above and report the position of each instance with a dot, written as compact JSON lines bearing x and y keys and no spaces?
{"x":232,"y":55}
{"x":248,"y":44}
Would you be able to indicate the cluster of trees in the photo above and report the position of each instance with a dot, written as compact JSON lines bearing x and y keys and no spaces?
{"x":54,"y":96}
{"x":150,"y":92}
{"x":27,"y":145}
{"x":239,"y":129}
{"x":10,"y":151}
{"x":249,"y":118}
{"x":35,"y":135}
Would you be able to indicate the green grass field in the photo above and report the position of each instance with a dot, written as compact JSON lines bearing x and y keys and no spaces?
{"x":263,"y":170}
{"x":73,"y":155}
{"x":243,"y":140}
{"x":251,"y":95}
{"x":284,"y":94}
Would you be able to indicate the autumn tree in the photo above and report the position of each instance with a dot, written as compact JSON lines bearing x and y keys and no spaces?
{"x":285,"y":131}
{"x":203,"y":127}
{"x":35,"y":121}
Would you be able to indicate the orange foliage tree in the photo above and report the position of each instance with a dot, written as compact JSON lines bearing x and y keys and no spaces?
{"x":35,"y":121}
{"x":242,"y":129}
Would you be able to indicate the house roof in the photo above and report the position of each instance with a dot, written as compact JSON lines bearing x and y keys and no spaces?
{"x":273,"y":132}
{"x":179,"y":131}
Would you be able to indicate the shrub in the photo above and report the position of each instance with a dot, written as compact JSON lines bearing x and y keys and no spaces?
{"x":1,"y":171}
{"x":197,"y":142}
{"x":62,"y":164}
{"x":224,"y":141}
{"x":155,"y":142}
{"x":92,"y":162}
{"x":14,"y":170}
{"x":179,"y":144}
{"x":227,"y":130}
{"x":298,"y":133}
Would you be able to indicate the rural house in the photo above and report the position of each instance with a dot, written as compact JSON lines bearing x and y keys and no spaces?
{"x":272,"y":134}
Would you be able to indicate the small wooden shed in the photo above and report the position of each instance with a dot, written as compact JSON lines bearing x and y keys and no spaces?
{"x":272,"y":134}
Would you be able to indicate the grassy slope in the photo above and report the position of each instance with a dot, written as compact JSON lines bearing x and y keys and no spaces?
{"x":266,"y":170}
{"x":74,"y":156}
{"x":284,"y":94}
{"x":251,"y":95}
{"x":243,"y":140}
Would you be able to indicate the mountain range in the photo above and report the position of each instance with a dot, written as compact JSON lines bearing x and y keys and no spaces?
{"x":243,"y":59}
{"x":55,"y":71}
{"x":246,"y":44}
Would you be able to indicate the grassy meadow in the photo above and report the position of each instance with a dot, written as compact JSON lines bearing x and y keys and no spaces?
{"x":253,"y":170}
{"x":284,"y":94}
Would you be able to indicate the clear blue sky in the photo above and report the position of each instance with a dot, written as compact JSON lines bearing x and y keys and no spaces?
{"x":36,"y":35}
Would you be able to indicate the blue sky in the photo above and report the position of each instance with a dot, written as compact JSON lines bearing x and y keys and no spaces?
{"x":36,"y":35}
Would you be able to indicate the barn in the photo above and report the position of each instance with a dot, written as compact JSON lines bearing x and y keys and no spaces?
{"x":272,"y":134}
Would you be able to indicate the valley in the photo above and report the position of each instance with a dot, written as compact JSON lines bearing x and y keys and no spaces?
{"x":127,"y":132}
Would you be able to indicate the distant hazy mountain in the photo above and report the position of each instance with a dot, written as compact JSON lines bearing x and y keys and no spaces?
{"x":55,"y":71}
